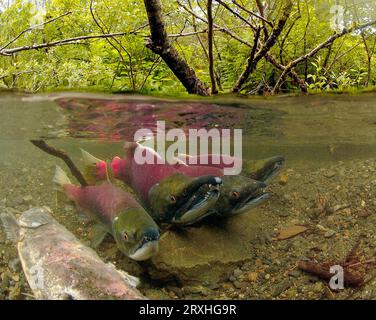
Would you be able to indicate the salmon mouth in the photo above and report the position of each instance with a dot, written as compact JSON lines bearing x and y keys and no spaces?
{"x":146,"y":249}
{"x":197,"y":206}
{"x":250,"y":202}
{"x":183,"y":200}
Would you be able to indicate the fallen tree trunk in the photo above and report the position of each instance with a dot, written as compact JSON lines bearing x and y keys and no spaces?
{"x":160,"y":44}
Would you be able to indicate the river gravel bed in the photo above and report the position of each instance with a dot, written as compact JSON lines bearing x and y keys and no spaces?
{"x":335,"y":203}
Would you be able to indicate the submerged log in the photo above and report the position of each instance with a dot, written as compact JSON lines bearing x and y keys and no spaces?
{"x":41,"y":144}
{"x":322,"y":271}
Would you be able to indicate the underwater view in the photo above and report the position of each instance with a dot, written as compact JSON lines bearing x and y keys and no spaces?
{"x":320,"y":209}
{"x":187,"y":157}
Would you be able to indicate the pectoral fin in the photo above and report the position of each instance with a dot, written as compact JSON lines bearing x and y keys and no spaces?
{"x":98,"y":233}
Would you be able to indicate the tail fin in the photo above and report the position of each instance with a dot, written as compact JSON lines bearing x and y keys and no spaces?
{"x":60,"y":179}
{"x":95,"y":169}
{"x":10,"y":226}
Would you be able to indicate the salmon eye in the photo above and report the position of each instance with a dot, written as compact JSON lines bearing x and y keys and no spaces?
{"x":173,"y":199}
{"x":235,"y":195}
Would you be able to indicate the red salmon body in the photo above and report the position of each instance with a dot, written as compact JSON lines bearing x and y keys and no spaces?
{"x":102,"y":202}
{"x":141,"y":177}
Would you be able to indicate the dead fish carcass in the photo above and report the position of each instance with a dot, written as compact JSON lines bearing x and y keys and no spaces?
{"x":58,"y":266}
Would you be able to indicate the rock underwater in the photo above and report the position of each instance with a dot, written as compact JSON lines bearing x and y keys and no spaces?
{"x":207,"y":252}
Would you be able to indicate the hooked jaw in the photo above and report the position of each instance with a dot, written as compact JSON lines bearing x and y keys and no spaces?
{"x":147,"y":251}
{"x":199,"y":203}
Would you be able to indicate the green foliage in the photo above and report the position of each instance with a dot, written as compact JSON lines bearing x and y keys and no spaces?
{"x":125,"y":64}
{"x":324,"y":79}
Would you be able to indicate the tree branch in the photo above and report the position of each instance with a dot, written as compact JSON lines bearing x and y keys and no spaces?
{"x":210,"y":51}
{"x":33,"y":28}
{"x":252,"y":13}
{"x":293,"y":74}
{"x":9,"y":52}
{"x":261,"y":9}
{"x":351,"y":279}
{"x":218,"y":27}
{"x":188,"y":34}
{"x":269,"y":43}
{"x":41,"y":144}
{"x":317,"y":49}
{"x":227,"y":7}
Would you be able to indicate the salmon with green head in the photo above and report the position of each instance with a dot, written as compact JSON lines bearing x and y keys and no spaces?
{"x":180,"y":199}
{"x":116,"y":212}
{"x":170,"y":196}
{"x":238,"y":193}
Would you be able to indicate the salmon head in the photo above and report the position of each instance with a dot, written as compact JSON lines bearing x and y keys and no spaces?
{"x":136,"y":234}
{"x":238,"y":195}
{"x":263,"y":170}
{"x":179,"y":199}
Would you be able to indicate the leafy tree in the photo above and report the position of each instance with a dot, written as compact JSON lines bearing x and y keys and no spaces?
{"x":247,"y":46}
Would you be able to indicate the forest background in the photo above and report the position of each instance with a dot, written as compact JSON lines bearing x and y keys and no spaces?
{"x":176,"y":47}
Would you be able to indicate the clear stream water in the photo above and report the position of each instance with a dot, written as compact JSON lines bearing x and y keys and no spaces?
{"x":310,"y":129}
{"x":311,"y":132}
